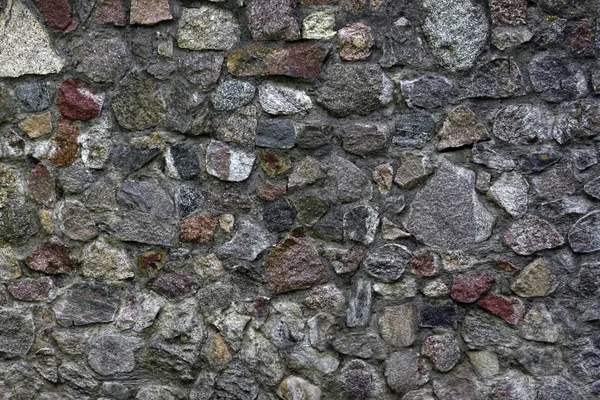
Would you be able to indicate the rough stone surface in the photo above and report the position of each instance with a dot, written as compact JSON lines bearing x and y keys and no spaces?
{"x":149,"y":12}
{"x":273,"y":20}
{"x":281,"y":100}
{"x":531,"y":234}
{"x":138,"y":105}
{"x":228,"y":163}
{"x":443,"y":350}
{"x":398,"y":325}
{"x":355,"y":41}
{"x":584,"y":236}
{"x":100,"y":261}
{"x":319,"y":25}
{"x":111,"y":354}
{"x":429,"y":91}
{"x":461,"y":128}
{"x":17,"y":333}
{"x":76,"y":101}
{"x":556,"y":78}
{"x":84,"y":304}
{"x":535,"y":280}
{"x":232,"y":94}
{"x":405,"y":371}
{"x":52,"y":257}
{"x":469,"y":289}
{"x":510,"y":192}
{"x":207,"y":28}
{"x":388,"y":262}
{"x":510,"y":309}
{"x":36,"y":126}
{"x":522,"y":124}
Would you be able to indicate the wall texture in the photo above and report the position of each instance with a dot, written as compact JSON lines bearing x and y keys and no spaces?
{"x":336,"y":199}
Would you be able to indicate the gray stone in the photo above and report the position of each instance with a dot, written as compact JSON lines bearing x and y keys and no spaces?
{"x":187,"y":200}
{"x":184,"y":106}
{"x":584,"y":236}
{"x":429,"y":91}
{"x":500,"y":78}
{"x":461,"y":127}
{"x":414,"y":168}
{"x":248,"y":242}
{"x":577,"y":119}
{"x":506,"y":37}
{"x":116,"y":390}
{"x":239,"y":127}
{"x":532,"y":234}
{"x":413,"y":130}
{"x":207,"y":28}
{"x":350,"y":182}
{"x":360,"y":224}
{"x":33,"y":96}
{"x":522,"y":124}
{"x":203,"y":387}
{"x":201,"y":68}
{"x":559,"y":388}
{"x":360,"y":345}
{"x":146,"y":196}
{"x":359,"y":304}
{"x":138,"y":105}
{"x":17,"y":224}
{"x":110,"y":354}
{"x":228,"y":163}
{"x":155,"y":393}
{"x":565,"y":206}
{"x":130,"y":158}
{"x":446,"y":213}
{"x":236,"y":383}
{"x":273,"y":20}
{"x":103,"y":59}
{"x":402,"y":45}
{"x":593,"y":188}
{"x":363,"y":138}
{"x":571,"y":9}
{"x":262,"y":356}
{"x":555,"y":183}
{"x":283,"y":100}
{"x":489,"y":155}
{"x":443,"y":350}
{"x":101,"y":261}
{"x":232,"y":94}
{"x":183,"y":161}
{"x":537,"y":325}
{"x":141,"y":227}
{"x":16,"y":333}
{"x":76,"y":221}
{"x":85,"y":304}
{"x":276,"y":133}
{"x":398,"y":325}
{"x":480,"y":330}
{"x":360,"y":380}
{"x":584,"y":157}
{"x":540,"y":361}
{"x":305,"y":173}
{"x":451,"y":386}
{"x":388,"y":262}
{"x":296,"y":388}
{"x":556,"y":78}
{"x":510,"y":192}
{"x":81,"y":378}
{"x":406,"y":370}
{"x":457,"y":32}
{"x":278,"y":216}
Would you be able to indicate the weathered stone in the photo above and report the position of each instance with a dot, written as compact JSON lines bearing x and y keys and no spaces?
{"x":33,"y":289}
{"x":273,"y":20}
{"x":201,"y":68}
{"x":360,"y":380}
{"x":360,"y":224}
{"x":310,"y":209}
{"x":538,"y":325}
{"x":305,"y":173}
{"x":175,"y":286}
{"x":388,"y":262}
{"x":248,"y":242}
{"x":227,"y":163}
{"x":446,"y":212}
{"x":480,"y":330}
{"x":522,"y":124}
{"x":42,"y":186}
{"x":240,"y":126}
{"x":16,"y":333}
{"x":270,"y":191}
{"x":274,"y":164}
{"x":187,"y":200}
{"x":484,"y":362}
{"x":283,"y":100}
{"x":435,"y":288}
{"x":103,"y":59}
{"x":64,"y":148}
{"x":207,"y":28}
{"x":110,"y":354}
{"x":350,"y":183}
{"x":155,"y":393}
{"x":468,"y":289}
{"x":500,"y":78}
{"x":296,"y":388}
{"x":9,"y":266}
{"x":534,"y":280}
{"x":149,"y":12}
{"x":506,"y":37}
{"x":382,"y":176}
{"x":555,"y":183}
{"x":319,"y":25}
{"x":442,"y":315}
{"x":76,"y":221}
{"x":413,"y":130}
{"x":85,"y":304}
{"x":414,"y":168}
{"x":577,"y":119}
{"x":278,"y":216}
{"x":138,"y":105}
{"x":593,"y":188}
{"x":326,"y":297}
{"x":141,"y":227}
{"x":182,"y":161}
{"x":570,"y":9}
{"x":101,"y":261}
{"x":52,"y":257}
{"x":367,"y":345}
{"x":398,"y":325}
{"x":151,"y":262}
{"x":145,"y":195}
{"x":33,"y":96}
{"x":406,"y":370}
{"x":584,"y":236}
{"x":58,"y":14}
{"x":532,"y":234}
{"x":508,"y":12}
{"x":36,"y":126}
{"x":426,"y":263}
{"x":538,"y":360}
{"x":489,"y":155}
{"x":429,"y":91}
{"x":461,"y":128}
{"x":343,"y":260}
{"x":456,"y":31}
{"x":355,"y":41}
{"x":584,"y":157}
{"x":353,"y":88}
{"x":510,"y":192}
{"x":26,"y":45}
{"x":111,"y":12}
{"x":200,"y":229}
{"x":262,"y":356}
{"x":555,"y":78}
{"x":359,"y":304}
{"x":131,"y":158}
{"x":276,"y":133}
{"x":363,"y":138}
{"x":443,"y":350}
{"x":232,"y":94}
{"x":510,"y":309}
{"x":76,"y":101}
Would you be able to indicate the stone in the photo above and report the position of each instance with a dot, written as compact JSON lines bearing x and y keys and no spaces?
{"x":480,"y":331}
{"x":461,"y":127}
{"x":270,"y":192}
{"x":240,"y":126}
{"x":558,"y":387}
{"x":151,"y":262}
{"x":130,"y":158}
{"x":355,"y":41}
{"x":489,"y":155}
{"x":76,"y":221}
{"x":261,"y":355}
{"x":584,"y":157}
{"x":354,"y":88}
{"x":155,"y":393}
{"x":42,"y":186}
{"x":522,"y":124}
{"x":308,"y":358}
{"x":9,"y":266}
{"x":343,"y":260}
{"x":187,"y":200}
{"x":16,"y":333}
{"x":182,"y":162}
{"x":363,"y":138}
{"x":58,"y":14}
{"x":276,"y":133}
{"x":84,"y":304}
{"x":388,"y":262}
{"x":52,"y":257}
{"x":149,"y":12}
{"x":283,"y":100}
{"x":278,"y":216}
{"x":142,"y":227}
{"x":18,"y":224}
{"x":413,"y":130}
{"x":402,"y":45}
{"x":446,"y":212}
{"x":228,"y":163}
{"x":406,"y":370}
{"x":103,"y":59}
{"x":102,"y":261}
{"x":33,"y":96}
{"x":350,"y":183}
{"x":273,"y":20}
{"x":200,"y":229}
{"x":439,"y":315}
{"x":532,"y":234}
{"x":577,"y":119}
{"x":296,"y":388}
{"x":538,"y":360}
{"x":584,"y":235}
{"x":274,"y":164}
{"x":382,"y":176}
{"x":456,"y":32}
{"x":398,"y":325}
{"x":425,"y":263}
{"x":175,"y":286}
{"x":146,"y":196}
{"x":247,"y":243}
{"x":508,"y":12}
{"x":359,"y":304}
{"x":457,"y":260}
{"x":435,"y":288}
{"x":360,"y":345}
{"x":507,"y":37}
{"x":201,"y":68}
{"x":36,"y":126}
{"x":535,"y":280}
{"x":207,"y":28}
{"x":443,"y":350}
{"x":64,"y":148}
{"x":319,"y":25}
{"x":232,"y":94}
{"x":306,"y":172}
{"x":593,"y":188}
{"x":555,"y":78}
{"x":497,"y":79}
{"x":468,"y":289}
{"x":138,"y":105}
{"x":414,"y":168}
{"x":360,"y":224}
{"x":29,"y":289}
{"x":484,"y":362}
{"x":110,"y":354}
{"x":27,"y":48}
{"x":429,"y":91}
{"x":537,"y":325}
{"x":77,"y":101}
{"x":569,"y":9}
{"x":555,"y":183}
{"x":510,"y":192}
{"x":360,"y":380}
{"x":326,"y":297}
{"x":310,"y":209}
{"x":510,"y":309}
{"x":111,"y":12}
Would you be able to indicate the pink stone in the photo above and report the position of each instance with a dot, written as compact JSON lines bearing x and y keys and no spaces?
{"x":42,"y":186}
{"x":149,"y":12}
{"x":76,"y":101}
{"x":32,"y":289}
{"x":174,"y":285}
{"x":111,"y":12}
{"x":510,"y":309}
{"x":426,"y":263}
{"x":58,"y":14}
{"x":468,"y":289}
{"x":52,"y":257}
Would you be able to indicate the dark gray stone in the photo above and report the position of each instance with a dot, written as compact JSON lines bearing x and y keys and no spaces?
{"x":185,"y":161}
{"x":570,"y":9}
{"x":17,"y":224}
{"x":556,"y":78}
{"x":85,"y":304}
{"x":402,"y":45}
{"x":584,"y":236}
{"x":522,"y":124}
{"x":388,"y":262}
{"x":187,"y":200}
{"x":559,"y":388}
{"x":310,"y":209}
{"x":141,"y":227}
{"x":76,"y":178}
{"x":16,"y":333}
{"x":110,"y":354}
{"x":146,"y":196}
{"x":138,"y":105}
{"x":278,"y":216}
{"x":359,"y":304}
{"x":239,"y":126}
{"x":540,"y":361}
{"x":248,"y":242}
{"x":363,"y":138}
{"x":201,"y":68}
{"x":232,"y":94}
{"x":406,"y":370}
{"x":33,"y":96}
{"x":555,"y":183}
{"x":360,"y":224}
{"x":273,"y":20}
{"x":496,"y":79}
{"x":236,"y":383}
{"x":491,"y":156}
{"x":481,"y":330}
{"x":314,"y":136}
{"x":429,"y":91}
{"x":183,"y":106}
{"x":413,"y":130}
{"x":443,"y":350}
{"x":538,"y":161}
{"x":593,"y":188}
{"x":584,"y":157}
{"x":8,"y":105}
{"x":103,"y":59}
{"x":360,"y":380}
{"x":442,"y":315}
{"x":116,"y":390}
{"x":350,"y":182}
{"x":129,"y":159}
{"x":276,"y":133}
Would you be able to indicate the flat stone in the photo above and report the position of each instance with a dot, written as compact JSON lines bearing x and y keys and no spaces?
{"x":52,"y":257}
{"x":17,"y":333}
{"x":403,"y":45}
{"x":111,"y":12}
{"x":146,"y":196}
{"x":359,"y":304}
{"x":532,"y":234}
{"x":537,"y":325}
{"x":240,"y":126}
{"x":593,"y":188}
{"x":535,"y":280}
{"x":363,"y":138}
{"x":522,"y":124}
{"x":103,"y":59}
{"x":510,"y":309}
{"x":269,"y":191}
{"x":273,"y":163}
{"x":584,"y":236}
{"x":361,"y":380}
{"x":207,"y":28}
{"x":141,"y":227}
{"x":456,"y":32}
{"x":149,"y":12}
{"x":555,"y":183}
{"x":398,"y":325}
{"x":556,"y":78}
{"x":414,"y":168}
{"x":175,"y":285}
{"x":569,"y":9}
{"x":461,"y":127}
{"x":278,"y":216}
{"x":435,"y":288}
{"x":228,"y":163}
{"x":299,"y":61}
{"x":443,"y":350}
{"x":429,"y":91}
{"x":319,"y":25}
{"x":510,"y":192}
{"x":296,"y":388}
{"x":58,"y":14}
{"x":42,"y":186}
{"x":507,"y":37}
{"x":232,"y":94}
{"x":497,"y":79}
{"x":354,"y":88}
{"x":64,"y":148}
{"x":262,"y":356}
{"x":446,"y":212}
{"x":183,"y":161}
{"x":468,"y":289}
{"x":110,"y":354}
{"x":76,"y":221}
{"x":343,"y":260}
{"x":138,"y":105}
{"x":201,"y":68}
{"x":484,"y":362}
{"x":508,"y":12}
{"x":577,"y":119}
{"x":28,"y":289}
{"x":584,"y":157}
{"x":247,"y":243}
{"x":276,"y":133}
{"x":198,"y":229}
{"x":491,"y":156}
{"x":439,"y":315}
{"x":36,"y":126}
{"x":388,"y":262}
{"x":360,"y":224}
{"x":85,"y":304}
{"x":33,"y":96}
{"x":273,"y":20}
{"x":425,"y":263}
{"x":367,"y":345}
{"x":155,"y":393}
{"x":481,"y":330}
{"x":18,"y":224}
{"x":355,"y":41}
{"x":413,"y":130}
{"x":305,"y":173}
{"x":405,"y":371}
{"x":76,"y":101}
{"x":27,"y":48}
{"x":310,"y":209}
{"x":350,"y":183}
{"x":283,"y":100}
{"x":104,"y":262}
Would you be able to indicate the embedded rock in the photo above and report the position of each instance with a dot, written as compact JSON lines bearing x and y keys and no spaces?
{"x":555,"y":78}
{"x":239,"y":127}
{"x":584,"y":236}
{"x":461,"y":127}
{"x":296,"y":388}
{"x":207,"y":28}
{"x":350,"y":182}
{"x":443,"y":350}
{"x":282,"y":100}
{"x":319,"y":25}
{"x":232,"y":94}
{"x":16,"y":333}
{"x":227,"y":163}
{"x":36,"y":126}
{"x":76,"y":101}
{"x":248,"y":242}
{"x":273,"y":20}
{"x":510,"y":309}
{"x":522,"y":124}
{"x":200,"y":229}
{"x":510,"y":192}
{"x":103,"y":59}
{"x":33,"y":289}
{"x":101,"y":261}
{"x":359,"y":304}
{"x":149,"y":12}
{"x":52,"y":257}
{"x":398,"y":325}
{"x":430,"y":91}
{"x":276,"y":133}
{"x":405,"y":371}
{"x":85,"y":304}
{"x":42,"y":186}
{"x":110,"y":354}
{"x":496,"y":79}
{"x":413,"y":130}
{"x":531,"y":234}
{"x":363,"y":138}
{"x":33,"y":96}
{"x":468,"y":289}
{"x":538,"y":325}
{"x":360,"y":224}
{"x":388,"y":262}
{"x":138,"y":105}
{"x":414,"y":168}
{"x":355,"y":41}
{"x":111,"y":12}
{"x":535,"y":280}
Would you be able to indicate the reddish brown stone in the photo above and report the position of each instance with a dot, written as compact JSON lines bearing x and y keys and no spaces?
{"x":355,"y":41}
{"x":468,"y":289}
{"x":582,"y":39}
{"x":508,"y":12}
{"x":270,"y":191}
{"x":300,"y":61}
{"x":151,"y":262}
{"x":295,"y":264}
{"x":198,"y":229}
{"x":175,"y":286}
{"x":149,"y":12}
{"x":426,"y":263}
{"x":58,"y":14}
{"x":52,"y":257}
{"x":64,"y":152}
{"x":76,"y":101}
{"x":505,"y":265}
{"x":32,"y":289}
{"x":510,"y":309}
{"x":259,"y":307}
{"x":42,"y":186}
{"x":111,"y":12}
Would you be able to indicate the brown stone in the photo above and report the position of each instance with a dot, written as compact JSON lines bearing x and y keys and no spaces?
{"x":382,"y":176}
{"x":149,"y":12}
{"x":300,"y":61}
{"x":398,"y":325}
{"x":58,"y":14}
{"x":174,"y":285}
{"x":355,"y":41}
{"x":271,"y":191}
{"x":151,"y":262}
{"x":414,"y":168}
{"x":65,"y":146}
{"x":52,"y":257}
{"x":32,"y":289}
{"x":508,"y":12}
{"x":42,"y":186}
{"x":443,"y":350}
{"x":535,"y":280}
{"x":426,"y":263}
{"x":198,"y":229}
{"x":36,"y":126}
{"x":216,"y":351}
{"x":295,"y":264}
{"x":111,"y":12}
{"x":461,"y":128}
{"x":76,"y":101}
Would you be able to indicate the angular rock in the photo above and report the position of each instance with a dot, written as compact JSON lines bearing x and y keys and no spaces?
{"x":522,"y":124}
{"x":248,"y":242}
{"x":500,"y":78}
{"x":355,"y":41}
{"x":101,"y":261}
{"x":110,"y":354}
{"x":52,"y":257}
{"x":403,"y":45}
{"x":319,"y":25}
{"x":64,"y":148}
{"x":232,"y":94}
{"x":270,"y":192}
{"x":273,"y":20}
{"x":85,"y":304}
{"x":33,"y":289}
{"x":363,"y":138}
{"x":103,"y":59}
{"x":456,"y":32}
{"x":310,"y":209}
{"x":429,"y":91}
{"x":138,"y":105}
{"x":388,"y":262}
{"x":296,"y":388}
{"x":16,"y":333}
{"x":350,"y":183}
{"x":443,"y":350}
{"x":485,"y":363}
{"x":584,"y":236}
{"x":111,"y":12}
{"x":58,"y":14}
{"x":187,"y":200}
{"x":468,"y":289}
{"x":439,"y":315}
{"x":535,"y":280}
{"x":446,"y":212}
{"x":489,"y":155}
{"x":183,"y":161}
{"x":207,"y":28}
{"x":42,"y":186}
{"x":18,"y":224}
{"x":510,"y":192}
{"x":201,"y":68}
{"x":413,"y":130}
{"x":577,"y":119}
{"x":227,"y":163}
{"x":359,"y":304}
{"x":175,"y":286}
{"x":199,"y":229}
{"x":570,"y":9}
{"x":278,"y":216}
{"x":326,"y":297}
{"x":461,"y":127}
{"x":274,"y":164}
{"x":435,"y":288}
{"x":481,"y":330}
{"x":146,"y":196}
{"x":555,"y":78}
{"x":343,"y":260}
{"x":36,"y":126}
{"x":554,"y":184}
{"x":360,"y":224}
{"x":532,"y":234}
{"x":131,"y":158}
{"x":382,"y":176}
{"x":240,"y":126}
{"x":414,"y":168}
{"x":76,"y":101}
{"x":141,"y":227}
{"x":583,"y":158}
{"x":398,"y":325}
{"x":538,"y":325}
{"x":276,"y":133}
{"x":506,"y":37}
{"x":510,"y":309}
{"x":149,"y":12}
{"x":151,"y":262}
{"x":305,"y":173}
{"x":508,"y":12}
{"x":261,"y":355}
{"x":33,"y":96}
{"x":360,"y":380}
{"x":405,"y":371}
{"x":426,"y":263}
{"x":360,"y":345}
{"x":283,"y":100}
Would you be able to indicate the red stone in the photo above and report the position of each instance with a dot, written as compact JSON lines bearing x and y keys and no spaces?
{"x":510,"y":309}
{"x":66,"y":147}
{"x":42,"y":186}
{"x":300,"y":61}
{"x":468,"y":289}
{"x":52,"y":257}
{"x":32,"y":289}
{"x":76,"y":101}
{"x":111,"y":12}
{"x":58,"y":14}
{"x":425,"y":264}
{"x":259,"y":307}
{"x":175,"y":286}
{"x":198,"y":229}
{"x":270,"y":191}
{"x":508,"y":12}
{"x":149,"y":12}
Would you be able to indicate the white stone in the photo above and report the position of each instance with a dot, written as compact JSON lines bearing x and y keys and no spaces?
{"x":282,"y":100}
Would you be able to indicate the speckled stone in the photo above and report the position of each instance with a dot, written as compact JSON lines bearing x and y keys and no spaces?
{"x":36,"y":126}
{"x":355,"y":41}
{"x":52,"y":257}
{"x":149,"y":12}
{"x":461,"y":127}
{"x":228,"y":163}
{"x":58,"y":14}
{"x":510,"y":309}
{"x":207,"y":28}
{"x":273,"y":20}
{"x":532,"y":234}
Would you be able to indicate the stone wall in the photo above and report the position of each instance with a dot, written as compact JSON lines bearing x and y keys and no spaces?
{"x":336,"y":199}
